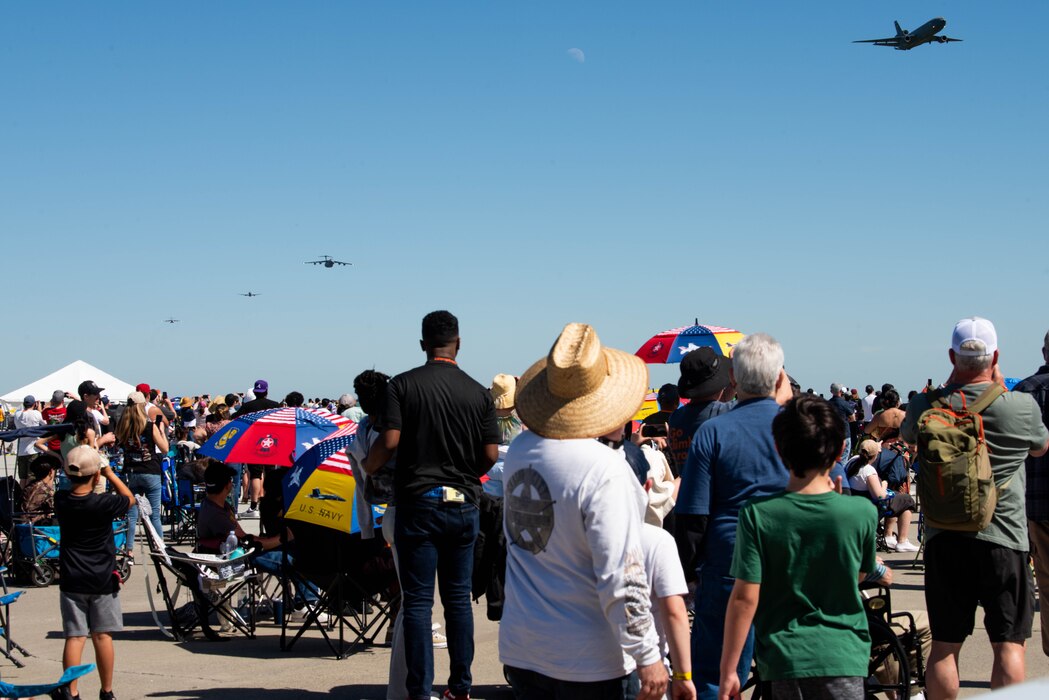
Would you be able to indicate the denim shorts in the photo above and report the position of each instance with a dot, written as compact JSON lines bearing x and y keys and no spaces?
{"x":90,"y":613}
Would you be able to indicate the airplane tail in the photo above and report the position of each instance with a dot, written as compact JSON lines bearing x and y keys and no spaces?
{"x":899,"y":29}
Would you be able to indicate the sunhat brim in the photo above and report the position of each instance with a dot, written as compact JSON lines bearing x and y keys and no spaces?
{"x":592,"y":415}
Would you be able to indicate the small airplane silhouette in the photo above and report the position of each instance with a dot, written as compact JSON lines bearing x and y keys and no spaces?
{"x":316,"y":493}
{"x":249,"y":294}
{"x":171,"y":320}
{"x":327,"y":261}
{"x":905,"y":40}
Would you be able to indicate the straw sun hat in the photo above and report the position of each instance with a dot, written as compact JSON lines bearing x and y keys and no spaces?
{"x":581,"y":390}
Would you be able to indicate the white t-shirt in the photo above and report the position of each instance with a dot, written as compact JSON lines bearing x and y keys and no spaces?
{"x":665,"y":575}
{"x":27,"y":418}
{"x":577,"y":597}
{"x":858,"y":482}
{"x":868,"y":408}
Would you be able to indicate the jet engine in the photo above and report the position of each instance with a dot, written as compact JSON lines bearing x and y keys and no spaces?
{"x":941,"y":39}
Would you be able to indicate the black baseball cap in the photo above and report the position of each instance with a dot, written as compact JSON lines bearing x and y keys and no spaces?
{"x":89,"y":387}
{"x":217,"y":475}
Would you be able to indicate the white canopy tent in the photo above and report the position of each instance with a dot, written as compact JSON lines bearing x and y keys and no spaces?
{"x":68,"y":379}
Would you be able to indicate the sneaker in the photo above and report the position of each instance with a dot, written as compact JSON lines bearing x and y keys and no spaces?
{"x":440,"y":642}
{"x":447,"y":695}
{"x":106,"y":695}
{"x":299,"y":614}
{"x":250,"y":513}
{"x":890,"y":542}
{"x":906,"y":546}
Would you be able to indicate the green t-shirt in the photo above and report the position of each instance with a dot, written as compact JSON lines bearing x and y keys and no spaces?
{"x":1012,"y":426}
{"x":806,"y":551}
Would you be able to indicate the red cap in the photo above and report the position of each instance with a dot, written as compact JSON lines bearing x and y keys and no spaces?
{"x":144,"y":388}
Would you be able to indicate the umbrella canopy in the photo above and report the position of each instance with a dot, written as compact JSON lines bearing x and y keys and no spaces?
{"x":320,"y":488}
{"x":276,"y":436}
{"x":670,"y":346}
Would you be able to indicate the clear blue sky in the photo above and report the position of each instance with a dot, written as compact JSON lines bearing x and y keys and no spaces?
{"x":742,"y":163}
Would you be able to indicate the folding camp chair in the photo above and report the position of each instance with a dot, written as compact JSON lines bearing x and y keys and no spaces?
{"x":188,"y":497}
{"x":6,"y":601}
{"x":213,"y":583}
{"x":10,"y":690}
{"x":340,"y":567}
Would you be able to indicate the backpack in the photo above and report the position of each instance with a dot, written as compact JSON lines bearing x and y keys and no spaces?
{"x":956,"y":487}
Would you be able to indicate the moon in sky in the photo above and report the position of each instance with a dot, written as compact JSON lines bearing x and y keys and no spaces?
{"x":577,"y":55}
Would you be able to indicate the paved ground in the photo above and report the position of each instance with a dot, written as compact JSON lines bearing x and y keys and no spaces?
{"x":150,"y":666}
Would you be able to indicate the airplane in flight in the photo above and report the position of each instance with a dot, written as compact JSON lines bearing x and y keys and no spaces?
{"x":327,"y":261}
{"x":249,"y":294}
{"x":905,"y":40}
{"x":171,"y":320}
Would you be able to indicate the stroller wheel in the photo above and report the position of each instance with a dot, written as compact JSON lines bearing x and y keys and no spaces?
{"x":124,"y":569}
{"x":41,"y":575}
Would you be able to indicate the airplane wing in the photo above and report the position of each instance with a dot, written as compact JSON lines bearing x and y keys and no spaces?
{"x":339,"y":262}
{"x":313,"y":262}
{"x":891,"y":41}
{"x":947,"y":38}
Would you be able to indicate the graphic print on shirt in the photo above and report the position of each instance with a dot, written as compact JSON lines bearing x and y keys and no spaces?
{"x":529,"y":510}
{"x":638,"y":603}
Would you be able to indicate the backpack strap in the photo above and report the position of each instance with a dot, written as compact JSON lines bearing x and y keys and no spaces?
{"x":987,"y":398}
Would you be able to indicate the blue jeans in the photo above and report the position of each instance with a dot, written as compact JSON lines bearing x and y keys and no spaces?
{"x":708,"y":634}
{"x":272,"y":562}
{"x":435,"y":538}
{"x":147,"y":485}
{"x":235,"y":493}
{"x":529,"y":685}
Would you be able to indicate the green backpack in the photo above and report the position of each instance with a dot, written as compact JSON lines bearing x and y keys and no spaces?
{"x":955,"y":485}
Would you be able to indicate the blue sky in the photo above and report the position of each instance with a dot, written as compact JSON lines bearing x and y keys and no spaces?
{"x":742,"y":163}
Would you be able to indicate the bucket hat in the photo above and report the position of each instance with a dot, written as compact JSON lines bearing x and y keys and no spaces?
{"x":581,"y":389}
{"x":504,"y":389}
{"x":703,"y":372}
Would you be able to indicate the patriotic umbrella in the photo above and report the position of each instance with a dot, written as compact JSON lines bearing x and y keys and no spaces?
{"x":320,"y":488}
{"x":670,"y":346}
{"x":275,"y":436}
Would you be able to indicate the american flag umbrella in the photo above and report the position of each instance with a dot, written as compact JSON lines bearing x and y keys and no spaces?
{"x":276,"y":436}
{"x":670,"y":346}
{"x":320,"y":488}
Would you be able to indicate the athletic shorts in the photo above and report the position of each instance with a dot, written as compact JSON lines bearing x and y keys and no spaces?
{"x":900,"y":502}
{"x":821,"y":688}
{"x":962,"y":572}
{"x":22,"y":463}
{"x":89,"y":613}
{"x":255,"y":470}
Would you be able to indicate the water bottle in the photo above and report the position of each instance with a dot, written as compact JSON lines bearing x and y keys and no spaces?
{"x":229,"y":545}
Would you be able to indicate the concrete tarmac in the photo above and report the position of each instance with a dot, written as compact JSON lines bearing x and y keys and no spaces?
{"x":151,"y":666}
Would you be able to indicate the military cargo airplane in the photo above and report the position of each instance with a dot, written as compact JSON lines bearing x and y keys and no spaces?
{"x":249,"y":294}
{"x":327,"y":261}
{"x":171,"y":320}
{"x":905,"y":40}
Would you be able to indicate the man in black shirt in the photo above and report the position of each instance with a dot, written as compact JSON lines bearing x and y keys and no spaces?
{"x":261,"y":402}
{"x":442,"y":425}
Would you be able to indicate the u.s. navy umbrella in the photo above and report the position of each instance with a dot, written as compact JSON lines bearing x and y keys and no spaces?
{"x":670,"y":346}
{"x":275,"y":436}
{"x":320,"y":488}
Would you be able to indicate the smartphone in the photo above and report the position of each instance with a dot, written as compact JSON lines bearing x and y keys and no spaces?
{"x":650,"y":430}
{"x":165,"y":394}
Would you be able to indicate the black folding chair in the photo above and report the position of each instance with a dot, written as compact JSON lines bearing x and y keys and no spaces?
{"x":214,"y":585}
{"x":6,"y":600}
{"x":355,"y":583}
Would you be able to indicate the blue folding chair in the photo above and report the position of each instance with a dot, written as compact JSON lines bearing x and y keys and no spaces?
{"x":10,"y":690}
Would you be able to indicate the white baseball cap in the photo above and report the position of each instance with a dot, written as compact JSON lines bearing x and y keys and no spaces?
{"x":976,"y":329}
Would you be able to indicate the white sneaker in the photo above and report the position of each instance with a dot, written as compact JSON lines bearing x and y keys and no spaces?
{"x":299,"y":614}
{"x":890,"y":542}
{"x":439,"y":640}
{"x":906,"y":546}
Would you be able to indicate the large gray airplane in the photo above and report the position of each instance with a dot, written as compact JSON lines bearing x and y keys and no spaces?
{"x":905,"y":40}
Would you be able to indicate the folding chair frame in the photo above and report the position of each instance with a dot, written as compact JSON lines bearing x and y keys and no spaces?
{"x":188,"y":570}
{"x":5,"y":622}
{"x":364,"y":626}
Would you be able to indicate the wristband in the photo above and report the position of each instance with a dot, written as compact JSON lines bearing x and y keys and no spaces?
{"x":876,"y":575}
{"x":682,"y":676}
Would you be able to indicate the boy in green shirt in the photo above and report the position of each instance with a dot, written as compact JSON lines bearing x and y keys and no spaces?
{"x":798,"y":560}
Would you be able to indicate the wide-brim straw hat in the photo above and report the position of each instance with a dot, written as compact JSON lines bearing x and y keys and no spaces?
{"x":504,"y":390}
{"x":581,"y":389}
